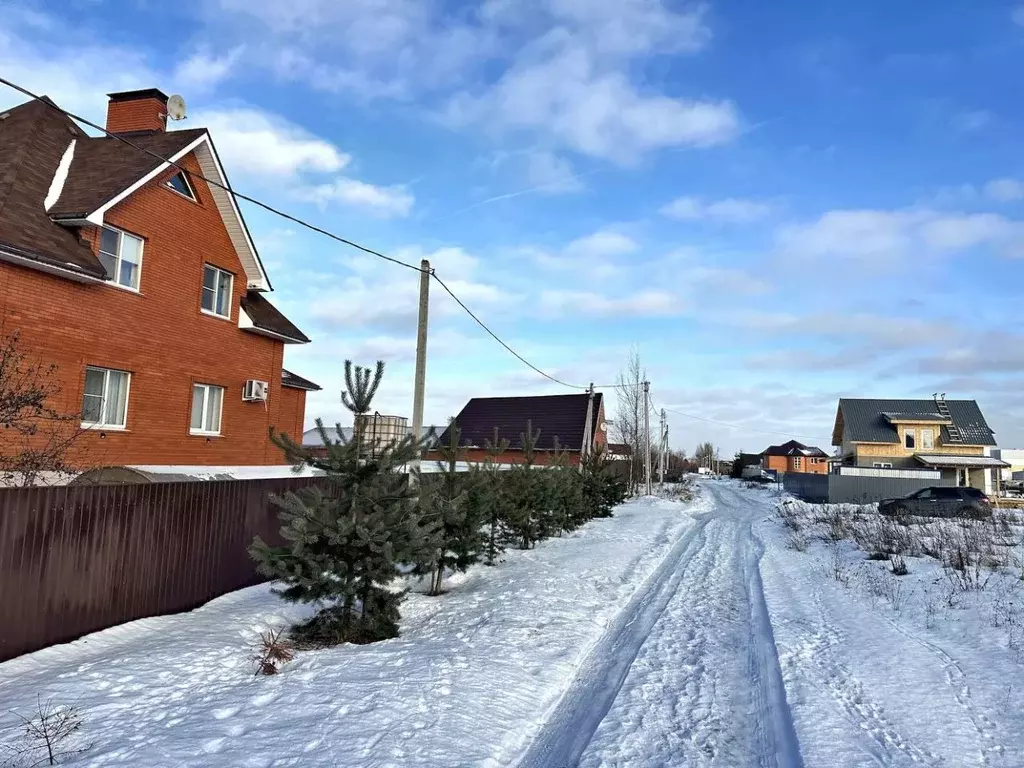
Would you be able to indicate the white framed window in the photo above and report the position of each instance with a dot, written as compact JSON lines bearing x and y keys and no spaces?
{"x":882,"y":465}
{"x":121,"y":255}
{"x":207,"y":401}
{"x":909,"y":439}
{"x":927,"y":439}
{"x":797,"y":462}
{"x":217,"y":286}
{"x":105,"y":398}
{"x":179,"y":183}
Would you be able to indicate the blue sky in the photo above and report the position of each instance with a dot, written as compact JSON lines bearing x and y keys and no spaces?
{"x":777,"y":203}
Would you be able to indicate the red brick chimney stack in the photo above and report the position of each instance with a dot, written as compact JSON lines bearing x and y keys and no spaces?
{"x":144,"y":110}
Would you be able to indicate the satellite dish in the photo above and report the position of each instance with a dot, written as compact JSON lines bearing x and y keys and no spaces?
{"x":604,"y":426}
{"x":176,"y":107}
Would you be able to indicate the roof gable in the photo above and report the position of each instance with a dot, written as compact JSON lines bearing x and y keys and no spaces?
{"x":561,"y":416}
{"x":871,"y":421}
{"x":33,"y":140}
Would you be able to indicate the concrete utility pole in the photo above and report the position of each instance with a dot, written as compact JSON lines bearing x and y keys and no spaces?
{"x":663,"y":448}
{"x":588,"y":427}
{"x":647,"y":432}
{"x":420,"y":381}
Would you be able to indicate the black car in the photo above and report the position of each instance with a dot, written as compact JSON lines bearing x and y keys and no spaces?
{"x":939,"y":501}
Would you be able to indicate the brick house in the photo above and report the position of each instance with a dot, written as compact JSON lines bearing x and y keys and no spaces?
{"x":556,"y":416}
{"x":794,"y":456}
{"x":141,"y":283}
{"x":947,"y":436}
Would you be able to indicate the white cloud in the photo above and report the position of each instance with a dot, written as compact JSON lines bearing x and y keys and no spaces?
{"x":550,"y":173}
{"x":593,"y":110}
{"x":880,"y":237}
{"x":1005,"y":190}
{"x":719,"y":280}
{"x":602,"y":243}
{"x":255,"y":142}
{"x":592,"y":257}
{"x":730,"y":210}
{"x":649,"y":303}
{"x":383,"y":201}
{"x":203,"y":70}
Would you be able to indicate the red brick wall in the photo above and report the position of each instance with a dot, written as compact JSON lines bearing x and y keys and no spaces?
{"x":293,"y":412}
{"x":160,"y":336}
{"x":136,"y":115}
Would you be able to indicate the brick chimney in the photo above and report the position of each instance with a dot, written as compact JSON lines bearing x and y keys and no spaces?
{"x":144,"y":110}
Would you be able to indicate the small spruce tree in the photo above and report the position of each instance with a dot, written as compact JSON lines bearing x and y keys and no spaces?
{"x":489,"y":493}
{"x":526,"y":493}
{"x":346,"y":541}
{"x":601,"y":490}
{"x":448,"y":506}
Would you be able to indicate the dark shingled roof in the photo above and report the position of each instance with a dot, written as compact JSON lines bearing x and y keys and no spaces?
{"x":266,"y":317}
{"x":33,"y":138}
{"x":104,"y":167}
{"x":293,"y":380}
{"x":794,"y":448}
{"x":864,"y":421}
{"x":562,"y":416}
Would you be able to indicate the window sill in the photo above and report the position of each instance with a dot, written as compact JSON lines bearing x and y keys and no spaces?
{"x":208,"y":313}
{"x":179,"y":194}
{"x":120,"y":287}
{"x":194,"y":433}
{"x":102,"y":428}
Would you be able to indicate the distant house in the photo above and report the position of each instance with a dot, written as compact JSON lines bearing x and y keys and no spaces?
{"x":950,"y":436}
{"x":558,"y":417}
{"x":794,"y":456}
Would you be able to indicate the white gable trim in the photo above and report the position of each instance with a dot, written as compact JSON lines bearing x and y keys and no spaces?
{"x":60,"y":176}
{"x":255,"y":275}
{"x":96,"y":217}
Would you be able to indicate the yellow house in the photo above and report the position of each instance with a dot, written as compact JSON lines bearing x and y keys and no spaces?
{"x":950,"y":436}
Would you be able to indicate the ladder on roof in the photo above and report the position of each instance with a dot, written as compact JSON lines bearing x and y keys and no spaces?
{"x":952,"y":429}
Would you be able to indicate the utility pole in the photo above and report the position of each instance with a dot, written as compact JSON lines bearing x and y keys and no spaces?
{"x":588,"y":427}
{"x":419,"y":384}
{"x":662,"y":448}
{"x":647,"y":432}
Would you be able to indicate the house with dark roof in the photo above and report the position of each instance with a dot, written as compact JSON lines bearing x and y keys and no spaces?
{"x":794,"y":456}
{"x":140,"y":282}
{"x":562,"y":421}
{"x":950,"y":437}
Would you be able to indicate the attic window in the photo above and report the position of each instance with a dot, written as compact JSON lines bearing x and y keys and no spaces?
{"x":179,"y":183}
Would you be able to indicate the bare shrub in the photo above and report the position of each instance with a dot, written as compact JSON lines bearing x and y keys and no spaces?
{"x":837,"y":567}
{"x":790,"y":516}
{"x":930,"y":605}
{"x":46,"y":737}
{"x":272,"y":652}
{"x":797,"y":540}
{"x":898,"y":565}
{"x":836,"y":525}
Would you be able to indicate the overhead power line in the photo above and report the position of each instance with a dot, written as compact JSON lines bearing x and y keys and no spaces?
{"x":296,"y":220}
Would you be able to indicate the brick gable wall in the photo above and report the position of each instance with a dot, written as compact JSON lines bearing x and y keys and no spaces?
{"x":160,"y":336}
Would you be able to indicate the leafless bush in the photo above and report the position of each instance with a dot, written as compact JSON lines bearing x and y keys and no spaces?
{"x":790,"y":516}
{"x":882,"y":584}
{"x":1015,"y":643}
{"x":898,"y":565}
{"x":46,"y":737}
{"x":272,"y":652}
{"x":836,"y":525}
{"x":884,"y":537}
{"x":1005,"y":609}
{"x":798,"y":540}
{"x":837,"y":567}
{"x":930,"y":605}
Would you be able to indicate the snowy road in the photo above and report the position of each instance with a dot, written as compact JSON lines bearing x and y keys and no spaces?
{"x":688,"y":674}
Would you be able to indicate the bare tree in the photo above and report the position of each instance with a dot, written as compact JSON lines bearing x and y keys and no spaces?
{"x":629,"y":416}
{"x":705,"y":455}
{"x":36,"y":439}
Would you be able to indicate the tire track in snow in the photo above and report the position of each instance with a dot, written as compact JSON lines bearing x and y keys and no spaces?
{"x":571,"y":725}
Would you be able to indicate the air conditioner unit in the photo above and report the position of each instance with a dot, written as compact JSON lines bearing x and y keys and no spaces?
{"x":256,"y":390}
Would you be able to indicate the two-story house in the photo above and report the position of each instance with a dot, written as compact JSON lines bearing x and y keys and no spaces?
{"x":950,"y":436}
{"x":794,"y":456}
{"x":141,"y":284}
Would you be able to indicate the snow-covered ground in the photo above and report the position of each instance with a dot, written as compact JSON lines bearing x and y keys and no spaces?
{"x":670,"y":635}
{"x":467,"y":684}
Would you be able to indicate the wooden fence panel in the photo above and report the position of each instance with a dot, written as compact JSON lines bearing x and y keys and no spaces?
{"x":76,"y":559}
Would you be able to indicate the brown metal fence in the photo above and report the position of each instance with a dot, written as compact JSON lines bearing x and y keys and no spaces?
{"x":76,"y":559}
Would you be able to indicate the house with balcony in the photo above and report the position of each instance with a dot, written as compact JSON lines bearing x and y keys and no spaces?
{"x":948,"y":437}
{"x":140,"y":283}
